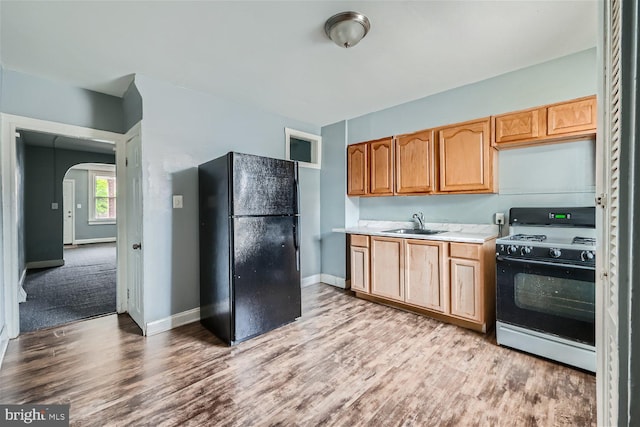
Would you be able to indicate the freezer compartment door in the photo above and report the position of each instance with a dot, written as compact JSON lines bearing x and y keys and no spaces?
{"x":264,"y":186}
{"x":266,"y":288}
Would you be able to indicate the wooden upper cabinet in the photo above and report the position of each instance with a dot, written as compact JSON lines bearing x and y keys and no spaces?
{"x":520,"y":126}
{"x":381,"y":167}
{"x":568,"y":118}
{"x":547,"y":124}
{"x":357,"y":171}
{"x":414,"y":163}
{"x":466,"y":158}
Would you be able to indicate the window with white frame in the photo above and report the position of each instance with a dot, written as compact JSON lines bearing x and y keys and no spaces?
{"x":102,"y":197}
{"x":305,"y":148}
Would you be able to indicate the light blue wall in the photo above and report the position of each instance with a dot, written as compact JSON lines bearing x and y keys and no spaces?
{"x":333,"y":187}
{"x":559,"y":174}
{"x":43,"y":185}
{"x":558,"y":80}
{"x":38,"y":98}
{"x":82,"y":228}
{"x":182,"y":129}
{"x":548,"y":175}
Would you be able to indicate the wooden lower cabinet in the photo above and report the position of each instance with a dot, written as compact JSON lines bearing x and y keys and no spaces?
{"x":359,"y":269}
{"x":425,"y":274}
{"x":465,"y":289}
{"x":359,"y":262}
{"x":387,"y":272}
{"x":450,"y":281}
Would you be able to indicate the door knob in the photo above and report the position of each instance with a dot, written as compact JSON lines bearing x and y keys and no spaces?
{"x":137,"y":246}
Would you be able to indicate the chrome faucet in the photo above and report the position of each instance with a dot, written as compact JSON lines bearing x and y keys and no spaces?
{"x":419,"y":216}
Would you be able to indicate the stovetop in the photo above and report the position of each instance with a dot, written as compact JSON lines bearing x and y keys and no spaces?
{"x":552,"y":241}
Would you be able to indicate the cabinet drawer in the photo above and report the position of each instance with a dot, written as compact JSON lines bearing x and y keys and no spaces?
{"x":358,"y":240}
{"x":464,"y":250}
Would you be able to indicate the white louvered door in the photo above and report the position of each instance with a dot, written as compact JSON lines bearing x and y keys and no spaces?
{"x":609,"y":188}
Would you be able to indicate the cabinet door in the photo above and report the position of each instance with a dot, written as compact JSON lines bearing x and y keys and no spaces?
{"x":520,"y":126}
{"x":381,"y":166}
{"x":387,"y":261}
{"x":359,"y":269}
{"x":573,"y":116}
{"x":465,"y":289}
{"x":466,"y":157}
{"x":414,"y":163}
{"x":426,"y":281}
{"x":357,"y":174}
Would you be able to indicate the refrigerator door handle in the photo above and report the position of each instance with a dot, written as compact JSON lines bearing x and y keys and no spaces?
{"x":296,"y":244}
{"x":297,"y":183}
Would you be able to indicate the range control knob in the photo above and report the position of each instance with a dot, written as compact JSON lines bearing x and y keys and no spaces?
{"x":554,"y":253}
{"x":526,"y":250}
{"x":512,"y":249}
{"x":587,"y":256}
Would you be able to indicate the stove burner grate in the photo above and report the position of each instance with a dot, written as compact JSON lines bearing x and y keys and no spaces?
{"x":528,"y":237}
{"x":584,"y":240}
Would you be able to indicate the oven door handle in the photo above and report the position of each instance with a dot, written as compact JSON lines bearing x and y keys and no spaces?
{"x":551,"y":264}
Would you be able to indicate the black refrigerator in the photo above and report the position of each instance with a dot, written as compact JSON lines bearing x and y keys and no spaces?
{"x":249,"y":245}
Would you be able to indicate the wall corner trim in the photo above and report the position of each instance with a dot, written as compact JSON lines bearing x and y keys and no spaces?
{"x":168,"y":323}
{"x":329,"y":279}
{"x":310,"y":280}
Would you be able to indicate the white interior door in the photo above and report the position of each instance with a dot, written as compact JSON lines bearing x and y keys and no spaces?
{"x":68,"y":203}
{"x":134,"y":232}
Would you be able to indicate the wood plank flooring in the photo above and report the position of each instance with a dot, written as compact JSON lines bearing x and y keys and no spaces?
{"x":346,"y":362}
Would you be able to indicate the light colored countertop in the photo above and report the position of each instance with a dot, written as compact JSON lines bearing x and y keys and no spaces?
{"x":465,"y":233}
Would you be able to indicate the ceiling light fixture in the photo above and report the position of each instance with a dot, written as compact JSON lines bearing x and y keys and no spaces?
{"x":346,"y":29}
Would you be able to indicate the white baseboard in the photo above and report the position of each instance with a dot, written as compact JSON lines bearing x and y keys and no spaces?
{"x":22,"y":295}
{"x":96,"y":240}
{"x":168,"y":323}
{"x":45,"y":264}
{"x":4,"y":342}
{"x":310,"y":280}
{"x":332,"y":280}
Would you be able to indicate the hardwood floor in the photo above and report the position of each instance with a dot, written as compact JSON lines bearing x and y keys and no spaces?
{"x":345,"y":362}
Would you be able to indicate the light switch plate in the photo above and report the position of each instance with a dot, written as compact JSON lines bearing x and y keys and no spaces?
{"x":177,"y":201}
{"x":54,"y":206}
{"x":79,"y":206}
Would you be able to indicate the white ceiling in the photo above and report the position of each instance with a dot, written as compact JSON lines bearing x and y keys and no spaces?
{"x":275,"y":55}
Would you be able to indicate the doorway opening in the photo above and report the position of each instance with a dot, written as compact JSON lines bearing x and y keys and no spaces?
{"x":67,"y":215}
{"x":73,"y":139}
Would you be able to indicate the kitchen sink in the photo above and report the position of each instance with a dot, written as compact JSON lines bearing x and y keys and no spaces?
{"x":413,"y":231}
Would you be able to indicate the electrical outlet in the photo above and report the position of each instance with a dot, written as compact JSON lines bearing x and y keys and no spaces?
{"x":177,"y":201}
{"x":499,"y":218}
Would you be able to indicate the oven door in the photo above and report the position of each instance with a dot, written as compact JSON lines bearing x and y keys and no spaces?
{"x":548,"y":297}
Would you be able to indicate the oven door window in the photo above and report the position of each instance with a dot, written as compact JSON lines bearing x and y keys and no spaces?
{"x":548,"y":298}
{"x":557,"y":296}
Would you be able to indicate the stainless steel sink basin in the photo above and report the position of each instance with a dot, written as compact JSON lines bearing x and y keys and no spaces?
{"x":413,"y":231}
